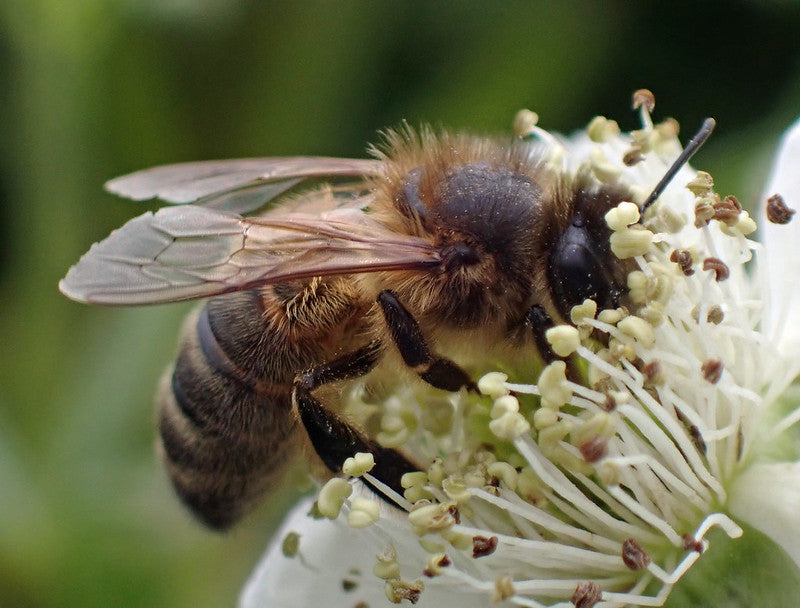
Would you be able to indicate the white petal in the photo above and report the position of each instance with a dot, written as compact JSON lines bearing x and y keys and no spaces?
{"x":767,"y":496}
{"x":331,"y":553}
{"x":781,"y":242}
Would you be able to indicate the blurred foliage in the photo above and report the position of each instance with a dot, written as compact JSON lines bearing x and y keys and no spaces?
{"x":93,"y":89}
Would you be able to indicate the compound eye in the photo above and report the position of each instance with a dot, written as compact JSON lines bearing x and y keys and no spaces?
{"x":577,"y":271}
{"x":410,"y":203}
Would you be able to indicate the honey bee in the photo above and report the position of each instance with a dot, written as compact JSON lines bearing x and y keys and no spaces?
{"x":440,"y":242}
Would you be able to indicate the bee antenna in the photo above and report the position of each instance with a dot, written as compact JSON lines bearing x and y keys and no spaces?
{"x":693,"y":146}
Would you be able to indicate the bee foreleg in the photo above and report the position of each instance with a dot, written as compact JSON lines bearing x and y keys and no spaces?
{"x":538,"y":322}
{"x":439,"y":372}
{"x":335,"y":440}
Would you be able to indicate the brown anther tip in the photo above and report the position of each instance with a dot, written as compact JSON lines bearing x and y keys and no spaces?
{"x":349,"y":584}
{"x":586,"y":595}
{"x":690,"y":543}
{"x":493,"y":490}
{"x":697,"y":439}
{"x":712,"y":370}
{"x":594,"y":449}
{"x":721,"y":270}
{"x":633,"y":156}
{"x":778,"y":212}
{"x":715,"y":315}
{"x":644,"y":97}
{"x":684,"y":260}
{"x":652,"y":373}
{"x":405,"y":590}
{"x":727,"y":211}
{"x":731,"y":199}
{"x":703,"y":212}
{"x":454,"y":513}
{"x":483,"y":546}
{"x":633,"y":556}
{"x":609,"y":404}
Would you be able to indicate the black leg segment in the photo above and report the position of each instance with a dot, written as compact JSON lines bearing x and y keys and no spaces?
{"x":539,"y":322}
{"x":352,"y":365}
{"x":335,"y":440}
{"x":405,"y":331}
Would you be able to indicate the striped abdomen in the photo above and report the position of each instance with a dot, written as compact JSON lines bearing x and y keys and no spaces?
{"x":225,"y":418}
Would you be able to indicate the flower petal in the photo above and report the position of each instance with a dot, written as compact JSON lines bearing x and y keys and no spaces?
{"x":333,"y":569}
{"x":767,"y":496}
{"x":782,"y":261}
{"x":327,"y":556}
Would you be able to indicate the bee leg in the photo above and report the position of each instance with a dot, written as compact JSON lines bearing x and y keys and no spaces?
{"x":335,"y":440}
{"x":407,"y":335}
{"x":538,"y":322}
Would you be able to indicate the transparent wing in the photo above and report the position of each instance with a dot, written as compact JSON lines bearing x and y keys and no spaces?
{"x":238,"y":185}
{"x":189,"y":252}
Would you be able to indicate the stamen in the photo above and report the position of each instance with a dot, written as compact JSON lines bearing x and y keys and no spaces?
{"x":634,"y":557}
{"x":721,"y":270}
{"x":645,"y":102}
{"x":712,"y":370}
{"x":661,"y":409}
{"x":483,"y":546}
{"x":586,"y":595}
{"x":684,"y":260}
{"x":778,"y":212}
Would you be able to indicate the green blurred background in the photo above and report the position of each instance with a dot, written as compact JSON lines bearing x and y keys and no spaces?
{"x":93,"y":89}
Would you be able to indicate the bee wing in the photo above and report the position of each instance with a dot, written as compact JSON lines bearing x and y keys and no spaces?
{"x":237,"y":185}
{"x":189,"y":252}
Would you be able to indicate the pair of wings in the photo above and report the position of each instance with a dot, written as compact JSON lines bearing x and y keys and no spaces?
{"x":203,"y":245}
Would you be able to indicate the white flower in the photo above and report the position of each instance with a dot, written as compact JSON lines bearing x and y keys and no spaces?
{"x":601,"y":492}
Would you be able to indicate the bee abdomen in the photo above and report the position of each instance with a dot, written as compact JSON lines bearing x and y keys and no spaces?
{"x":225,"y":434}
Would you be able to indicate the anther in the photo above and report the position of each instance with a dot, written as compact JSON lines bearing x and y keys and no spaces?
{"x":398,"y":590}
{"x":483,"y":546}
{"x":503,"y":588}
{"x":712,"y":370}
{"x":697,"y":439}
{"x":609,"y":404}
{"x":524,"y":122}
{"x":633,"y":156}
{"x":436,"y":564}
{"x":721,"y":270}
{"x":586,"y":595}
{"x":704,"y":210}
{"x":778,"y":212}
{"x":727,"y":211}
{"x":715,"y":314}
{"x":684,"y":260}
{"x":633,"y":556}
{"x":594,"y":450}
{"x":690,"y":543}
{"x":644,"y":98}
{"x":653,"y":374}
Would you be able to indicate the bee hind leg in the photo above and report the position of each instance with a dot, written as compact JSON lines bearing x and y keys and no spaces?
{"x":439,"y":372}
{"x":333,"y":438}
